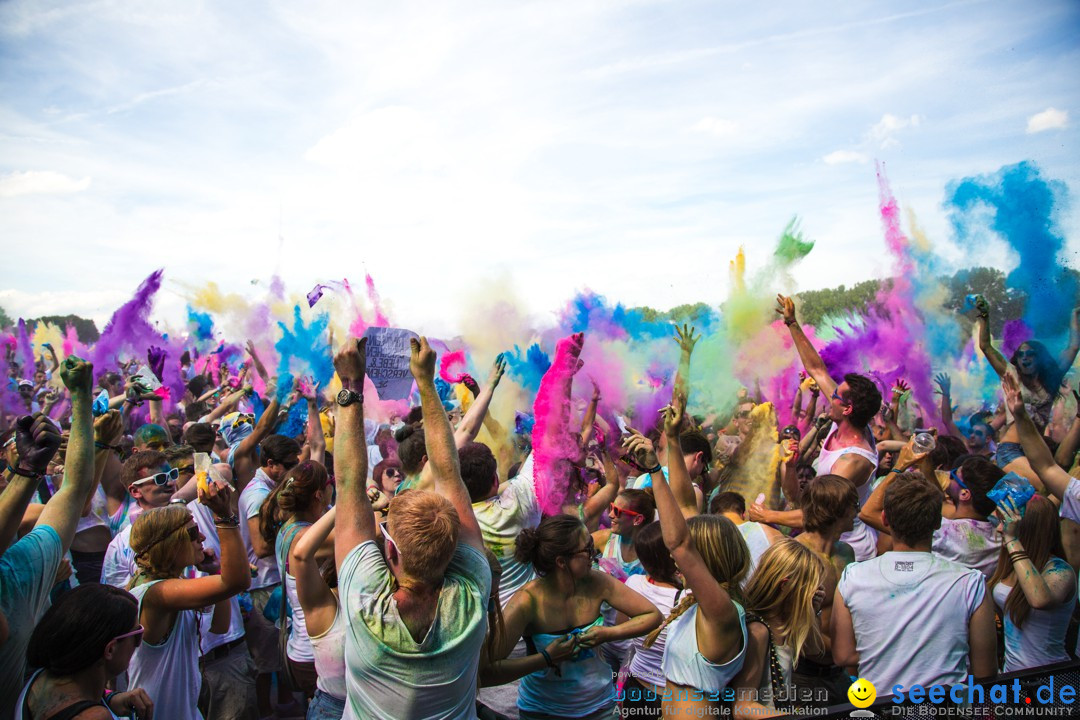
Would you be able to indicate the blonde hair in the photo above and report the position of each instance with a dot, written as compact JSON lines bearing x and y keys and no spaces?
{"x":783,"y":585}
{"x":424,"y":526}
{"x":157,"y":537}
{"x":723,"y":550}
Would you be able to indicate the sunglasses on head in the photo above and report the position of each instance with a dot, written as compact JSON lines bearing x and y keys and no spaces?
{"x":160,"y":479}
{"x":955,"y":475}
{"x":137,"y":634}
{"x":617,"y":511}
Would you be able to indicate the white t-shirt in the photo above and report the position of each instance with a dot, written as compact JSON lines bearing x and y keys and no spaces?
{"x":389,"y":674}
{"x":251,"y":499}
{"x":118,"y":567}
{"x":501,"y":519}
{"x":647,"y":664}
{"x":910,"y":611}
{"x":169,"y":672}
{"x":972,"y":543}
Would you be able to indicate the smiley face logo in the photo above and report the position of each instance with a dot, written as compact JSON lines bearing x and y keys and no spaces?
{"x":862,"y":693}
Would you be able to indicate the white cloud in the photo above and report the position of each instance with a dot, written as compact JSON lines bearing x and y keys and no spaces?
{"x":719,"y":127}
{"x":1048,"y":119}
{"x":884,"y":131}
{"x":840,"y":157}
{"x":40,"y":182}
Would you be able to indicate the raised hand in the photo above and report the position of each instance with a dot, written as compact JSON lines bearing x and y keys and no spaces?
{"x":77,"y":374}
{"x":944,"y":383}
{"x":155,"y":357}
{"x":900,"y":387}
{"x":498,"y":368}
{"x":216,"y":496}
{"x":982,"y":307}
{"x":674,"y":413}
{"x":1013,"y":400}
{"x":108,"y":428}
{"x":422,"y":361}
{"x":36,"y":440}
{"x":1009,"y":515}
{"x":470,"y":382}
{"x":685,"y":337}
{"x":351,"y":360}
{"x":785,"y":307}
{"x":641,"y":449}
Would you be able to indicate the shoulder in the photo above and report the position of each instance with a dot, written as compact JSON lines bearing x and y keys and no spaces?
{"x":771,"y":533}
{"x":757,"y":633}
{"x":98,"y":712}
{"x":601,"y":537}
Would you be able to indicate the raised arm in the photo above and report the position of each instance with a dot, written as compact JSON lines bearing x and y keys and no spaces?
{"x":715,"y":604}
{"x":316,"y":598}
{"x":944,"y":384}
{"x":682,"y":489}
{"x":982,"y":323}
{"x":1037,"y":453}
{"x":357,"y":521}
{"x":259,"y":367}
{"x":686,"y":339}
{"x":235,"y":576}
{"x":1066,"y":451}
{"x":315,"y":439}
{"x":588,"y":421}
{"x":36,"y":440}
{"x":226,"y":405}
{"x":439,"y":441}
{"x":263,"y":428}
{"x":64,"y":509}
{"x":811,"y":360}
{"x":474,"y":419}
{"x":1068,"y":355}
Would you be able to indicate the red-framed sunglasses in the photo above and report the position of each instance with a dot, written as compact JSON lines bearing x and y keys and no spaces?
{"x":617,"y":511}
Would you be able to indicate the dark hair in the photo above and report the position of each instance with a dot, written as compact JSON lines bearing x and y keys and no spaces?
{"x":557,"y":536}
{"x":278,"y":448}
{"x":198,"y":385}
{"x":380,"y":470}
{"x":913,"y":508}
{"x":414,"y":416}
{"x":178,"y":452}
{"x":201,"y":436}
{"x":946,"y":450}
{"x":694,"y":442}
{"x":825,"y":500}
{"x":479,"y":470}
{"x":73,"y":633}
{"x":411,"y":449}
{"x":726,"y":501}
{"x":640,"y":501}
{"x":654,"y":555}
{"x":865,"y":399}
{"x":296,"y":494}
{"x":109,"y":378}
{"x":196,"y":410}
{"x":980,"y":475}
{"x":129,"y":471}
{"x":1047,"y":369}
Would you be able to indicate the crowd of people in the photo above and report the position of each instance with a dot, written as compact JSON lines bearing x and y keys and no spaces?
{"x":208,"y":557}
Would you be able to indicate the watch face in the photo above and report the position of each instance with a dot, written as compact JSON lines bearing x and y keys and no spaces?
{"x":344,"y":397}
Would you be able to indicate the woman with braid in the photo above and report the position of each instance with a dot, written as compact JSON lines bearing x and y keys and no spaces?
{"x":167,"y":540}
{"x":706,"y":632}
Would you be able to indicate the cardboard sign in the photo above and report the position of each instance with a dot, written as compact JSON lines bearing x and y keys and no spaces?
{"x":388,"y":356}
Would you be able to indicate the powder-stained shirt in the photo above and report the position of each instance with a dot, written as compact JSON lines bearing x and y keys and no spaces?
{"x":972,"y":543}
{"x":910,"y":611}
{"x":391,"y":675}
{"x":502,"y":517}
{"x":27,"y":571}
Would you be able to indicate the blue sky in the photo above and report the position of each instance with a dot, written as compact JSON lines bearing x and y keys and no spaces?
{"x":629,"y":147}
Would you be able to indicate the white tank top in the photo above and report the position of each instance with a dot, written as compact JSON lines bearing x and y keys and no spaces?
{"x":329,"y":650}
{"x":298,"y":647}
{"x":1041,"y":640}
{"x":862,"y":538}
{"x":169,"y":672}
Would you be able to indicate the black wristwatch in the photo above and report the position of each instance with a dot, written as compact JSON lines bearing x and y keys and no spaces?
{"x":347,"y":397}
